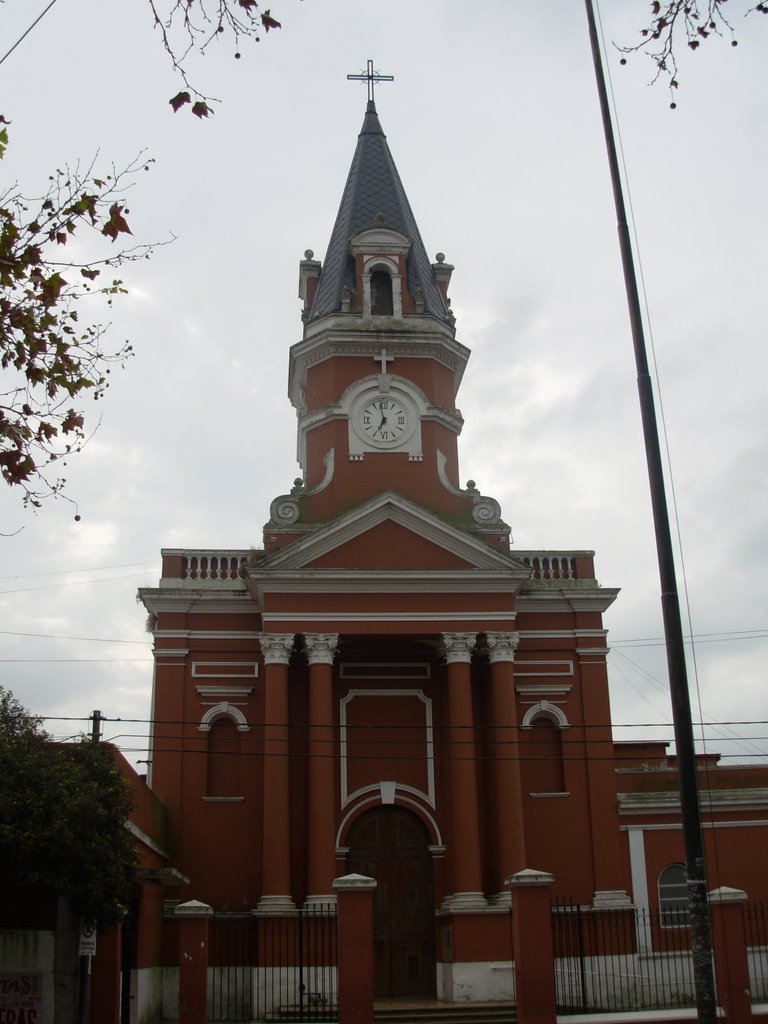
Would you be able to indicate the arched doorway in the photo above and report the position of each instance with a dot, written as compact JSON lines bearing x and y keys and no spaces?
{"x":391,"y":845}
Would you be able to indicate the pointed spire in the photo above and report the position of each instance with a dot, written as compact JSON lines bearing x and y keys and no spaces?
{"x":374,"y":197}
{"x":371,"y":123}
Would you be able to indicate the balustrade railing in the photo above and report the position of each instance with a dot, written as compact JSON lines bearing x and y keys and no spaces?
{"x":556,"y":565}
{"x":219,"y":568}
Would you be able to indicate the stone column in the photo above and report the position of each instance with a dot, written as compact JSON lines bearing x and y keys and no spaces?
{"x":726,"y":907}
{"x":193,"y":961}
{"x":355,"y":945}
{"x":532,"y":946}
{"x":465,"y":859}
{"x":321,"y":770}
{"x":276,"y":845}
{"x":508,"y":793}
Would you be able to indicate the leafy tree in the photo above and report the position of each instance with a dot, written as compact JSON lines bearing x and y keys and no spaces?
{"x":49,"y":360}
{"x":193,"y":26}
{"x":677,"y":24}
{"x":63,"y":809}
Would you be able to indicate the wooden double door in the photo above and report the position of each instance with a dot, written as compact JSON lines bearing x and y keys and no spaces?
{"x":392,"y":845}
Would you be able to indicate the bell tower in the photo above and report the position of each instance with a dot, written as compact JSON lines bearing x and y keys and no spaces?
{"x":375,"y":377}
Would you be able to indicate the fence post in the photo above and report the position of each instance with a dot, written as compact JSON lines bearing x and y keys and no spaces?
{"x":730,"y":948}
{"x":532,"y":946}
{"x":193,"y":961}
{"x":355,"y":945}
{"x":104,"y":1002}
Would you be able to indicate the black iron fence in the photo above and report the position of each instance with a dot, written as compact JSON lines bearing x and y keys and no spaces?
{"x":273,"y":968}
{"x":619,"y":959}
{"x":756,"y":931}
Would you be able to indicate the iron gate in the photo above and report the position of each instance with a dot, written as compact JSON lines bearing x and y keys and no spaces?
{"x":619,"y":959}
{"x":273,"y":968}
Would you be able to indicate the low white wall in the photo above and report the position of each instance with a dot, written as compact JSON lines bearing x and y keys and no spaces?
{"x":483,"y":981}
{"x":26,"y":972}
{"x":147,"y":995}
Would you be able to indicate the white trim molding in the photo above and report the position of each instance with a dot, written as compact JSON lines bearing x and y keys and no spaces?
{"x":224,"y":710}
{"x":389,"y":693}
{"x":551,"y":711}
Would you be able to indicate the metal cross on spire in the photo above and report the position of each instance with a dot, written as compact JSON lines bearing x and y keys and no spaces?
{"x":371,"y":77}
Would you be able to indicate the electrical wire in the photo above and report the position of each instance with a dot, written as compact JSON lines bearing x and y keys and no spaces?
{"x":25,"y":34}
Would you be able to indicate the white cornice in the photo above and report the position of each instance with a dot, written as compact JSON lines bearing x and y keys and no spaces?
{"x":387,"y":581}
{"x":668,"y":802}
{"x":561,"y":634}
{"x":201,"y":602}
{"x":586,"y":596}
{"x":415,"y":337}
{"x":475,"y":615}
{"x":207,"y":634}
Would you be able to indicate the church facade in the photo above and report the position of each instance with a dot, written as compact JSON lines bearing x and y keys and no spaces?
{"x":387,"y":686}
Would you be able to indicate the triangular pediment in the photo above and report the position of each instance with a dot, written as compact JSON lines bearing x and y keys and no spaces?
{"x":391,"y":533}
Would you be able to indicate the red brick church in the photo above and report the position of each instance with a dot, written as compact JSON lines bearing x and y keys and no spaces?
{"x":387,"y":686}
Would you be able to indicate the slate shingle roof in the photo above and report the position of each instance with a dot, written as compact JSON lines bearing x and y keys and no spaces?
{"x":373,"y":187}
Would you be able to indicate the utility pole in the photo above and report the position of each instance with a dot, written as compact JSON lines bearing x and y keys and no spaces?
{"x":698,"y":908}
{"x":96,"y":719}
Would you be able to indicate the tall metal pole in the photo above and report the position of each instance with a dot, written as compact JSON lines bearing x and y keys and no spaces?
{"x":698,"y":909}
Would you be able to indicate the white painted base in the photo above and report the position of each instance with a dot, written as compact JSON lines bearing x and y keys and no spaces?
{"x":464,"y":901}
{"x":501,"y":899}
{"x":486,"y":981}
{"x":147,"y":989}
{"x":318,"y":903}
{"x":278,"y":905}
{"x":170,"y":981}
{"x":609,"y":898}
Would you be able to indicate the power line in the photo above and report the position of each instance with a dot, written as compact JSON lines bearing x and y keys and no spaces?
{"x":76,"y":583}
{"x":74,"y":572}
{"x":92,"y":639}
{"x":25,"y":34}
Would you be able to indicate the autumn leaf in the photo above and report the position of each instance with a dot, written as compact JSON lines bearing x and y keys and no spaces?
{"x":179,"y":100}
{"x":90,"y":274}
{"x":247,"y":4}
{"x":72,"y":421}
{"x":269,"y":22}
{"x":201,"y":109}
{"x":116,"y":223}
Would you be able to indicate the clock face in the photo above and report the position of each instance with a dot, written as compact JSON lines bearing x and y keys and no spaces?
{"x":383,"y":420}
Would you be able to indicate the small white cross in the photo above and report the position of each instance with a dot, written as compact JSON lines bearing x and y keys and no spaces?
{"x":383,"y":359}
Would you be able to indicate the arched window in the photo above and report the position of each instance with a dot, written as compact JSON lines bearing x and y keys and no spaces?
{"x":223,"y":758}
{"x":673,"y":896}
{"x":542,"y":753}
{"x":381,"y":294}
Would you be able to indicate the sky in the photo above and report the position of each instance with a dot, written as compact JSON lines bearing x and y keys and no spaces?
{"x":494,"y":124}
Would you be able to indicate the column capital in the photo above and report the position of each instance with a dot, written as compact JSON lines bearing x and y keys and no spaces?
{"x":458,"y":647}
{"x":320,"y":648}
{"x":276,"y":647}
{"x":502,"y":646}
